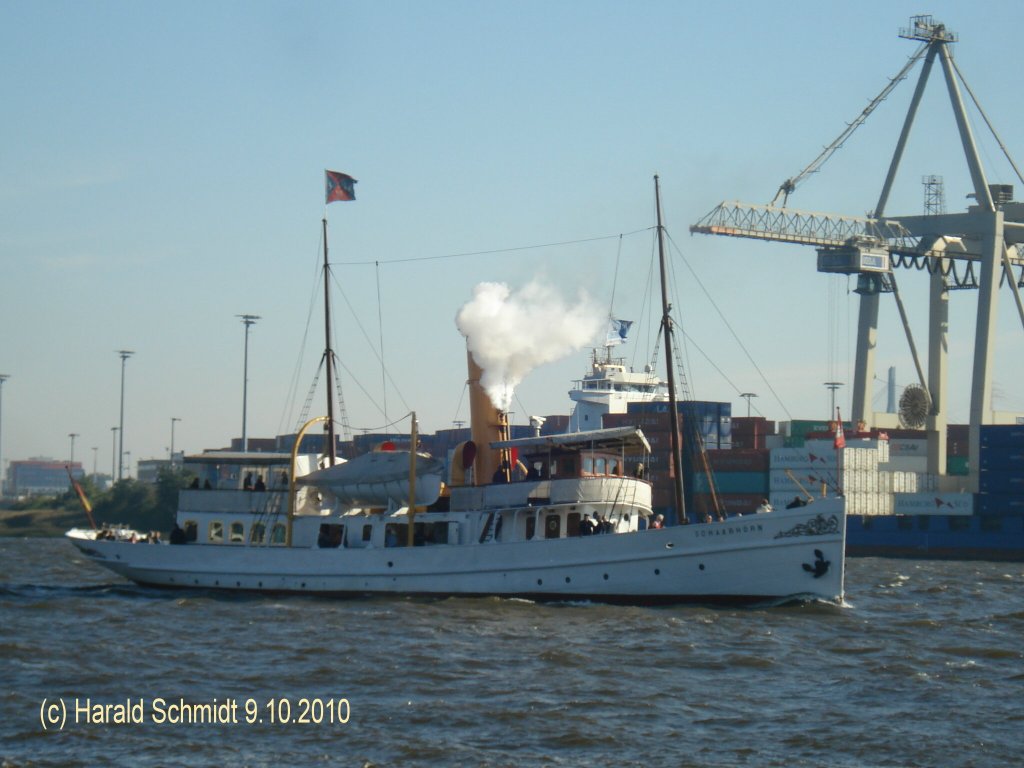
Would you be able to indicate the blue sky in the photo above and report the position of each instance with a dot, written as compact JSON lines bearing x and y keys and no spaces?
{"x":162,"y":172}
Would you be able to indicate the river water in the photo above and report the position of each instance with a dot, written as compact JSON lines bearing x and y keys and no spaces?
{"x":924,"y":666}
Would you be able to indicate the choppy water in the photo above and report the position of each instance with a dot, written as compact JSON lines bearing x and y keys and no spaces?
{"x":923,"y":667}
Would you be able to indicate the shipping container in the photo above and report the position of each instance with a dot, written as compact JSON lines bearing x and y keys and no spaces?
{"x":997,"y":504}
{"x":957,"y":465}
{"x":995,"y":481}
{"x":899,"y":447}
{"x":732,"y":503}
{"x":1011,"y":459}
{"x":800,"y":458}
{"x":865,"y":503}
{"x":906,"y":464}
{"x":933,"y":503}
{"x":738,"y":461}
{"x":1002,"y":435}
{"x":731,"y":482}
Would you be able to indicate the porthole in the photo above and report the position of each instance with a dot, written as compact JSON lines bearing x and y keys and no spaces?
{"x":657,"y":571}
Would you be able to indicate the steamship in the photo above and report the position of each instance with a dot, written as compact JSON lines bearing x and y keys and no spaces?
{"x":554,"y":517}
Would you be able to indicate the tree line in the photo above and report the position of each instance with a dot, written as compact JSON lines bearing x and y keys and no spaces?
{"x":139,"y":505}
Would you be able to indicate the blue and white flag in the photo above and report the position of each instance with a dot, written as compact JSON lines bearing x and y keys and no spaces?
{"x":617,"y":330}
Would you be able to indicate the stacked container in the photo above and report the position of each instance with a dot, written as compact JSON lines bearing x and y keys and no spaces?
{"x":1001,"y":470}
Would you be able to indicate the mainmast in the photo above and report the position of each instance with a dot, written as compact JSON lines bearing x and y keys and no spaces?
{"x":666,"y":325}
{"x":328,"y":356}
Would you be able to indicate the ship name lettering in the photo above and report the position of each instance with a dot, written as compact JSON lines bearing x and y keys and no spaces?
{"x":728,"y":530}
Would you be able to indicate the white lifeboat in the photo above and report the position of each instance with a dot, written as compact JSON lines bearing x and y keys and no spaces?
{"x":377,"y":478}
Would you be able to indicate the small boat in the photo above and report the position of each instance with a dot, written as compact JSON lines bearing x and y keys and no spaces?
{"x":548,"y":517}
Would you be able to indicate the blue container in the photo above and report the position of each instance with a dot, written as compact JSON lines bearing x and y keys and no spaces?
{"x":1001,"y":482}
{"x":732,"y":482}
{"x":1002,"y":435}
{"x":1007,"y":460}
{"x":998,"y":504}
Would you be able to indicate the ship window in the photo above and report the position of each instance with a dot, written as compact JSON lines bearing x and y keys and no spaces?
{"x":572,"y":524}
{"x":330,"y":536}
{"x":599,"y":466}
{"x":613,"y":467}
{"x":257,"y":533}
{"x":216,"y":532}
{"x":904,"y":523}
{"x":395,"y":535}
{"x":367,"y":532}
{"x":923,"y":522}
{"x":191,"y":530}
{"x":588,"y":465}
{"x":436,"y":533}
{"x":531,"y":527}
{"x":552,"y":527}
{"x":277,"y":534}
{"x":487,"y":528}
{"x":237,"y":533}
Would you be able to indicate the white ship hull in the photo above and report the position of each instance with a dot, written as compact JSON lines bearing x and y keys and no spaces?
{"x":784,"y":555}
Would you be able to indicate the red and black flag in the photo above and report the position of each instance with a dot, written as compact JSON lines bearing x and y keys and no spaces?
{"x":340,"y":186}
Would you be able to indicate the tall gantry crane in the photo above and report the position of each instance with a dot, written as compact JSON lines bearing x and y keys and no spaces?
{"x":979,"y":248}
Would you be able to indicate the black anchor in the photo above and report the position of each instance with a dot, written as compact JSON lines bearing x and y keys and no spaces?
{"x":820,"y":567}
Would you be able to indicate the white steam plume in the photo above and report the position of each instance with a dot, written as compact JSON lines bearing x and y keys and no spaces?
{"x":510,"y":334}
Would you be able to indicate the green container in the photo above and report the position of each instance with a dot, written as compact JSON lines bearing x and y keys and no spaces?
{"x":956,"y":465}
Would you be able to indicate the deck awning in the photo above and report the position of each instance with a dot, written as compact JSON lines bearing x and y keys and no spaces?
{"x":614,"y":439}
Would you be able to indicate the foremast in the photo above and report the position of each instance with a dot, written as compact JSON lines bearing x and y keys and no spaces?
{"x":666,"y":327}
{"x":328,"y":356}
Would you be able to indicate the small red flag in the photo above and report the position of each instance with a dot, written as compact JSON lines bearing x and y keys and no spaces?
{"x":340,"y":186}
{"x":840,"y":441}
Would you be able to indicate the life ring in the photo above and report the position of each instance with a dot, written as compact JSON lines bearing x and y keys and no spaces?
{"x":553,"y":525}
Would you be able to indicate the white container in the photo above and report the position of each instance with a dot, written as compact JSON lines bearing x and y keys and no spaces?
{"x":933,"y":504}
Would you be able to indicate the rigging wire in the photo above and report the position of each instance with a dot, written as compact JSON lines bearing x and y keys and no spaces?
{"x":495,"y":251}
{"x":366,"y":337}
{"x":287,"y":407}
{"x":615,"y":279}
{"x":790,"y":184}
{"x":735,"y":337}
{"x":991,"y":128}
{"x":380,"y":329}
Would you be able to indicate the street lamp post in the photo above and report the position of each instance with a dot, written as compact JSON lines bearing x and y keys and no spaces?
{"x":113,"y":454}
{"x":3,"y":377}
{"x":247,"y":320}
{"x":173,"y":420}
{"x":95,"y":453}
{"x":72,"y":435}
{"x":832,"y":386}
{"x":125,"y":354}
{"x":748,"y":395}
{"x":128,"y":460}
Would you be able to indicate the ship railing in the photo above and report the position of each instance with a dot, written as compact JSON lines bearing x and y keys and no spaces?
{"x":228,"y":501}
{"x":578,"y":490}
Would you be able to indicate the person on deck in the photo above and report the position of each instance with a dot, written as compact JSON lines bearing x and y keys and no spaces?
{"x":765,"y":507}
{"x":658,"y":522}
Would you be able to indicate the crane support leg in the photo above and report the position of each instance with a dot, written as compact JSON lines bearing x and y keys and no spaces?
{"x":984,"y":334}
{"x":864,"y":367}
{"x":938,"y":350}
